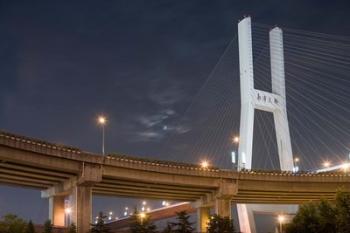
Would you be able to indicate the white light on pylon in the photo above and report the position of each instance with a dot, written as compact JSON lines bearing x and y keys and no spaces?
{"x":244,"y":160}
{"x":233,"y":157}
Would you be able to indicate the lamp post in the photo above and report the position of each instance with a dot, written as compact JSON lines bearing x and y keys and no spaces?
{"x":281,"y":219}
{"x":235,"y":141}
{"x":296,"y":164}
{"x":67,"y":211}
{"x":142,"y":217}
{"x":102,"y":121}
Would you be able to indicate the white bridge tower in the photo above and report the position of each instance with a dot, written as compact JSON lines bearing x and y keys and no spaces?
{"x":252,"y":99}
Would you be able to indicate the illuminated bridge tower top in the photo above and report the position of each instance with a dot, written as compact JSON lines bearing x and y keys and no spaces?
{"x":252,"y":98}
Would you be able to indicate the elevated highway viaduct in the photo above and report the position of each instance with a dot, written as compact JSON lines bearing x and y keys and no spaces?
{"x":67,"y":173}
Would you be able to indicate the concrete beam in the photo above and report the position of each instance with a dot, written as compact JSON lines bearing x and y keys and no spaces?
{"x":38,"y":160}
{"x":227,"y":189}
{"x":38,"y":176}
{"x":20,"y":183}
{"x":89,"y":175}
{"x":223,"y":207}
{"x":148,"y":195}
{"x":80,"y":202}
{"x":151,"y":184}
{"x":61,"y":189}
{"x":56,"y":211}
{"x":203,"y":218}
{"x":160,"y":178}
{"x":26,"y":179}
{"x":27,"y":169}
{"x":148,"y":189}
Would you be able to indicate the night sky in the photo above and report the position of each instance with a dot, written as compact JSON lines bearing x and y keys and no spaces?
{"x":138,"y":62}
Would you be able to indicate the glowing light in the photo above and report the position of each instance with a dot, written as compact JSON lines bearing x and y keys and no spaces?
{"x":126,"y":208}
{"x":204,"y":164}
{"x":244,"y":159}
{"x":235,"y":139}
{"x":102,"y":120}
{"x":281,"y":218}
{"x":110,"y":218}
{"x":110,"y":212}
{"x":116,"y":218}
{"x":142,"y":215}
{"x":68,"y":210}
{"x":165,"y":203}
{"x":148,"y":209}
{"x":144,"y":203}
{"x":296,"y":169}
{"x":345,"y":166}
{"x":125,"y":213}
{"x":233,"y":157}
{"x":296,"y":159}
{"x":143,"y":208}
{"x":326,"y":164}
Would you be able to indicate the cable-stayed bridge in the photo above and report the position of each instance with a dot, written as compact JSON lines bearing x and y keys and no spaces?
{"x":313,"y":89}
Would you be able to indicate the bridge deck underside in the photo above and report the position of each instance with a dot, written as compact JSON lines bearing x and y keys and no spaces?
{"x":248,"y":192}
{"x":29,"y":176}
{"x":28,"y":163}
{"x":151,"y":190}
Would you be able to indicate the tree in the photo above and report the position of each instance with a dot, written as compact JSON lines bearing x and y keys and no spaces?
{"x":342,"y":212}
{"x":10,"y":223}
{"x":218,"y":224}
{"x":306,"y":220}
{"x":72,"y":228}
{"x":100,"y":226}
{"x":48,"y":226}
{"x":141,"y":223}
{"x":30,"y":227}
{"x":323,"y":217}
{"x":168,"y":228}
{"x":327,"y":219}
{"x":183,"y":225}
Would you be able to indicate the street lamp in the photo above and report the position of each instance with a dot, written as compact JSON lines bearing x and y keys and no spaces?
{"x":165,"y":203}
{"x":326,"y":164}
{"x":296,"y":164}
{"x":142,"y":217}
{"x":68,"y":210}
{"x":101,"y":120}
{"x":235,"y":139}
{"x":204,"y":164}
{"x":281,"y":218}
{"x":345,"y":166}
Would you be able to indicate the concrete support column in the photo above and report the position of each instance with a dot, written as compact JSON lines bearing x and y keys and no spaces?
{"x":223,"y":207}
{"x":56,"y":210}
{"x":81,"y":204}
{"x":203,"y":215}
